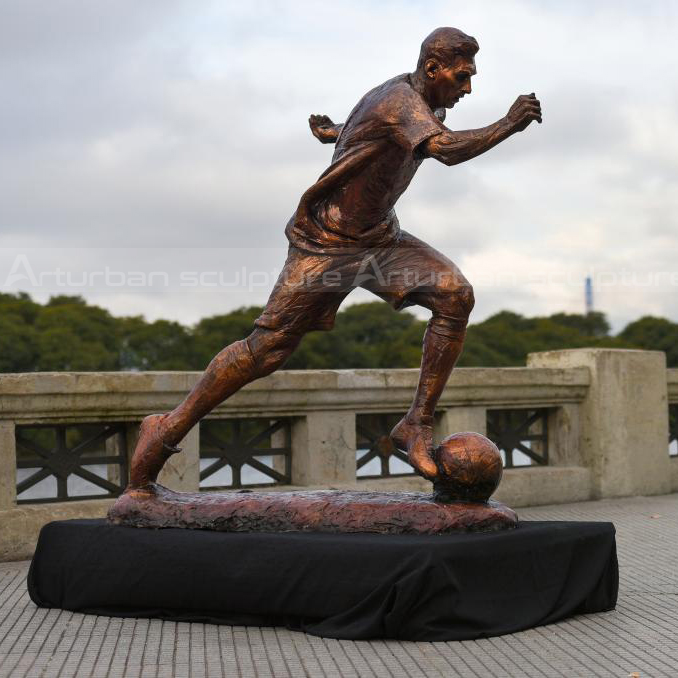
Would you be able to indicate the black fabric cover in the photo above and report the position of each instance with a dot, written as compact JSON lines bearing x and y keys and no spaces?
{"x":355,"y":586}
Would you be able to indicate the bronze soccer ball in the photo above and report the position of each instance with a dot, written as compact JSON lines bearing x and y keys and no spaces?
{"x":470,"y":468}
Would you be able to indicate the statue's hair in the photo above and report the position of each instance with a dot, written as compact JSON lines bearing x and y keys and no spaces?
{"x":446,"y":43}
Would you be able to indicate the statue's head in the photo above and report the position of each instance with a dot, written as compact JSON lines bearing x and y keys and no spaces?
{"x":446,"y":65}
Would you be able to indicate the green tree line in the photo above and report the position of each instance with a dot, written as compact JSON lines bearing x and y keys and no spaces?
{"x":67,"y":333}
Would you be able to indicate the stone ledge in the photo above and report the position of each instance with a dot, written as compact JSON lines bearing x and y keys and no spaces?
{"x":545,"y":485}
{"x":20,"y":526}
{"x":60,"y":383}
{"x":55,"y":397}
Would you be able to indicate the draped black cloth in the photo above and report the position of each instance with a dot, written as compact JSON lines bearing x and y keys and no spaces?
{"x":357,"y":586}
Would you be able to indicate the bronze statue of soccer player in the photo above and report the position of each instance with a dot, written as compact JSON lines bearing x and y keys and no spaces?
{"x":345,"y":234}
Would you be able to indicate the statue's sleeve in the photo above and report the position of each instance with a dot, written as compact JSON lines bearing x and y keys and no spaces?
{"x":410,"y":119}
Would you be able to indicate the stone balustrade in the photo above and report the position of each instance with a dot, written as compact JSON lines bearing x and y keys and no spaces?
{"x":605,"y":415}
{"x":672,"y":383}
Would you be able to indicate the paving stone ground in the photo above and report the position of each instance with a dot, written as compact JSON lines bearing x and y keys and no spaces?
{"x":639,"y":637}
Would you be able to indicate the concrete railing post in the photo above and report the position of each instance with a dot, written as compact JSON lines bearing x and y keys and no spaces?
{"x":182,"y":471}
{"x":324,"y":448}
{"x":624,"y":418}
{"x":279,"y":439}
{"x":459,"y":419}
{"x":119,"y":445}
{"x":564,"y":435}
{"x":7,"y":465}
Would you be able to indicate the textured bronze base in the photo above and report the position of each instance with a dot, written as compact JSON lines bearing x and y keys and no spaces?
{"x":320,"y":511}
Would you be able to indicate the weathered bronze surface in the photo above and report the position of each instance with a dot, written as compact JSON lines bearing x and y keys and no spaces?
{"x":469,"y":468}
{"x":321,"y":511}
{"x":345,"y":234}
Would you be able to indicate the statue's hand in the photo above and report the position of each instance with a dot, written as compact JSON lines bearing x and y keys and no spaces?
{"x":323,"y":128}
{"x":525,"y":109}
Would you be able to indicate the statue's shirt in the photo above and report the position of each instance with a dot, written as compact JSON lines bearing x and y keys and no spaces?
{"x":375,"y":159}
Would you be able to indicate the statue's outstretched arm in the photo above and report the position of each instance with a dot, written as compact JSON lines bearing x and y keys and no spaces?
{"x":452,"y":148}
{"x":324,"y":129}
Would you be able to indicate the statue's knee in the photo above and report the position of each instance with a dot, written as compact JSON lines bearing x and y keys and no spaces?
{"x":465,"y":299}
{"x":270,"y":349}
{"x":456,"y":299}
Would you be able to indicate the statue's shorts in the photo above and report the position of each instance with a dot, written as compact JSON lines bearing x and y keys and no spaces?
{"x":311,"y":286}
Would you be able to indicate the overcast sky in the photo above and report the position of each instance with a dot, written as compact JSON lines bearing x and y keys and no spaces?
{"x":151,"y":152}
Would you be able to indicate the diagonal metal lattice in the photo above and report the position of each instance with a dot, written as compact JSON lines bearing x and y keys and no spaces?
{"x":62,"y":451}
{"x":372,"y":434}
{"x":242,"y":443}
{"x":523,"y":431}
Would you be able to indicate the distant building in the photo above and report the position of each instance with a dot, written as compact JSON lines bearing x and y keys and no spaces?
{"x":589,"y":294}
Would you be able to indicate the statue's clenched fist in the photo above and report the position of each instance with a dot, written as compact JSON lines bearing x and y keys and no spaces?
{"x":525,"y":109}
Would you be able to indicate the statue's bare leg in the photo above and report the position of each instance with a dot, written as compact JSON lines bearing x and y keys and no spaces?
{"x":261,"y":353}
{"x":442,"y":346}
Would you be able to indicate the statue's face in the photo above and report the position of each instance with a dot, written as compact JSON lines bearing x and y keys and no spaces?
{"x":450,"y":83}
